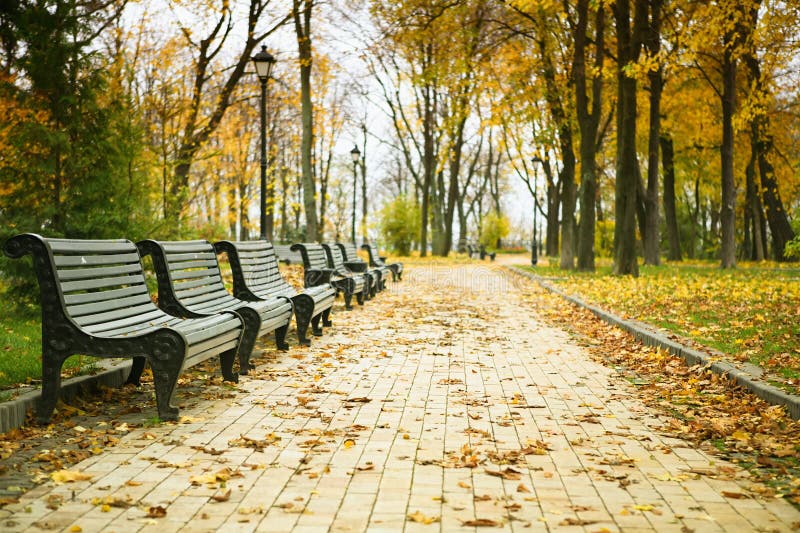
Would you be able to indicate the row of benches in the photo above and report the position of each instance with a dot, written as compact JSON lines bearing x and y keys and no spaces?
{"x":95,"y":301}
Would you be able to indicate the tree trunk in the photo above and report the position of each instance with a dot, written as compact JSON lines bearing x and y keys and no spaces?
{"x":364,"y":204}
{"x":652,"y":237}
{"x":553,"y":205}
{"x":670,"y":211}
{"x":589,"y":122}
{"x":754,"y":245}
{"x":553,"y":96}
{"x":628,"y":44}
{"x":302,"y":24}
{"x":728,"y":199}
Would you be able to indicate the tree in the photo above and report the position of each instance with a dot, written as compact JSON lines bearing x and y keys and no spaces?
{"x":629,"y":41}
{"x":399,"y":224}
{"x":207,"y":108}
{"x":589,"y":115}
{"x":301,"y":13}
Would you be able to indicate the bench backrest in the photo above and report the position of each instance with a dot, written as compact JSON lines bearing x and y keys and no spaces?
{"x":96,"y":285}
{"x":349,"y":251}
{"x":255,"y":269}
{"x":374,"y":256}
{"x":313,"y":255}
{"x":188,"y":275}
{"x":335,"y":257}
{"x":286,"y":255}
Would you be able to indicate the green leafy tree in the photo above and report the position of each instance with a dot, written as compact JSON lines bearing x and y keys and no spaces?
{"x":400,"y":224}
{"x":494,"y":228}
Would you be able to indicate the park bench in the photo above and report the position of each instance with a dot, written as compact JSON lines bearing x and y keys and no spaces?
{"x":95,"y":301}
{"x":190,"y":285}
{"x":356,"y":264}
{"x":256,"y":277}
{"x":317,"y":272}
{"x":376,"y":260}
{"x":286,"y":255}
{"x":337,"y":262}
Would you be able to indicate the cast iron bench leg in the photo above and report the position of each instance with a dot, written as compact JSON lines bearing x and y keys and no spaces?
{"x":326,"y":318}
{"x":303,"y":307}
{"x":52,"y":361}
{"x":280,"y":338}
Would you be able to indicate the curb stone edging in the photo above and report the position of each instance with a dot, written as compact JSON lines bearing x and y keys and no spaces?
{"x":14,"y":411}
{"x":748,"y":377}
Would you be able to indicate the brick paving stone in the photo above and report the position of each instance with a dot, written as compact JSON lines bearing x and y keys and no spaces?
{"x":380,"y":419}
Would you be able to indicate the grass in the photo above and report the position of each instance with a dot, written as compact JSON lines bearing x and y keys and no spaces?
{"x":751,"y":313}
{"x":21,"y":347}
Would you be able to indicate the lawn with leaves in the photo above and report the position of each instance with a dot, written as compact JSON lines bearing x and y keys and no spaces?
{"x":751,"y":313}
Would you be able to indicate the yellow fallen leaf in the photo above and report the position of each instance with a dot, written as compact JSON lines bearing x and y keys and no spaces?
{"x":76,"y":529}
{"x":349,"y":443}
{"x":422,"y":519}
{"x":68,"y":476}
{"x":741,"y":435}
{"x":105,"y":508}
{"x":464,"y":485}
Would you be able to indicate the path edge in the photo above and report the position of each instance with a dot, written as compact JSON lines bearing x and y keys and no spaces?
{"x":650,"y":337}
{"x":13,"y":412}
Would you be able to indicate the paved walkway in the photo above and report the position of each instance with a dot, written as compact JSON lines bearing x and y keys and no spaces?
{"x":444,"y":405}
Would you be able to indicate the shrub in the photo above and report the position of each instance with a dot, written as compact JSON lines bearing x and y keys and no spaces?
{"x":400,"y":224}
{"x":495,"y":227}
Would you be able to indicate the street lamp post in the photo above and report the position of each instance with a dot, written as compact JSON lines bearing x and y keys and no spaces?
{"x":534,"y":245}
{"x":263,"y":61}
{"x":355,"y":153}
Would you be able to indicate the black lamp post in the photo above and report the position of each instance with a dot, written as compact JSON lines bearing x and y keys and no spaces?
{"x":355,"y":153}
{"x":263,"y":61}
{"x":534,"y":245}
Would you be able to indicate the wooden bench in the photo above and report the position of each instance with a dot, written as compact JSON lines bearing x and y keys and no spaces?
{"x":336,"y":261}
{"x":190,"y":285}
{"x":286,"y":255}
{"x":356,"y":264}
{"x":317,"y":272}
{"x":256,"y":277}
{"x":376,"y":260}
{"x":94,"y":301}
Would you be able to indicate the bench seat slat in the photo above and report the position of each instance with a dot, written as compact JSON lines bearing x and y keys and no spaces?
{"x":117,"y":303}
{"x":95,"y":259}
{"x":83,"y":285}
{"x":106,"y":295}
{"x":69,"y":246}
{"x":97,"y":272}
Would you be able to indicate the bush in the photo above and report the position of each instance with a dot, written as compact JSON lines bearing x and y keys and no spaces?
{"x":400,"y":224}
{"x":495,"y":227}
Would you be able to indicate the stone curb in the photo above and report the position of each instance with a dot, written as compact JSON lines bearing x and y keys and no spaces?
{"x":14,"y":411}
{"x":749,"y":376}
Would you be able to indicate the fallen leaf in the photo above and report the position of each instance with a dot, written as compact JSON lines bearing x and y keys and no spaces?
{"x":569,"y":521}
{"x":522,"y":488}
{"x":349,"y":443}
{"x":76,"y":529}
{"x":422,"y":519}
{"x":508,"y":473}
{"x":734,"y":495}
{"x":222,"y":497}
{"x":68,"y":476}
{"x":481,"y":522}
{"x":156,"y":512}
{"x":464,"y":485}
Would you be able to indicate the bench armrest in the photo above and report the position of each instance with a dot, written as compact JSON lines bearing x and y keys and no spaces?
{"x":356,"y":266}
{"x":315,"y":276}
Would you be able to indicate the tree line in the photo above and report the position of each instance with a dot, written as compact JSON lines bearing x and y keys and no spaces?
{"x":650,"y":128}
